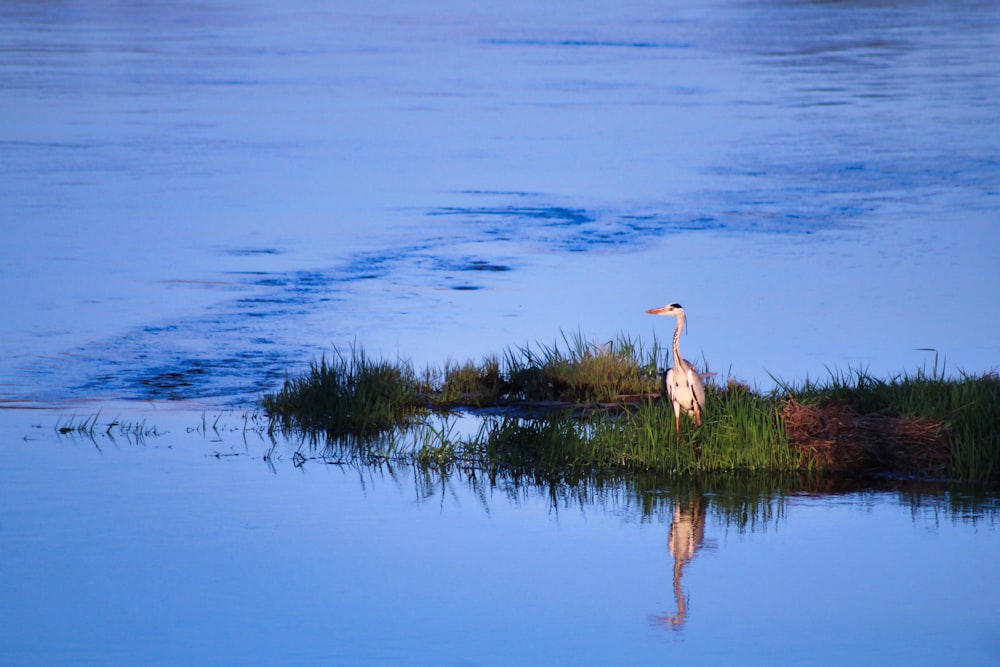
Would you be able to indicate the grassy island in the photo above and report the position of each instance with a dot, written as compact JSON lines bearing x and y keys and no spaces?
{"x":579,"y":407}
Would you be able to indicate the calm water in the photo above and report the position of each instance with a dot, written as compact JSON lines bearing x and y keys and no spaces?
{"x":198,"y":198}
{"x":193,"y":548}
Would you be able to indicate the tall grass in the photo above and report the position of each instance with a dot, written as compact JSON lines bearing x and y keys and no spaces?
{"x":350,"y":394}
{"x":355,"y":394}
{"x":466,"y":384}
{"x":739,"y":433}
{"x":581,"y":371}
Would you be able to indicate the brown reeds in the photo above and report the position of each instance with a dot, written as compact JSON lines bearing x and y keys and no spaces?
{"x":835,"y":437}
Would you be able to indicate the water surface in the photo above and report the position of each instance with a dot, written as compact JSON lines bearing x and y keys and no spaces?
{"x":216,"y":546}
{"x":199,"y":198}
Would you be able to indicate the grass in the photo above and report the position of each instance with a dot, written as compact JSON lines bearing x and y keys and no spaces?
{"x":581,"y":371}
{"x":354,"y":394}
{"x":964,"y":413}
{"x":739,"y":433}
{"x":87,"y":427}
{"x":350,"y":394}
{"x":570,"y":409}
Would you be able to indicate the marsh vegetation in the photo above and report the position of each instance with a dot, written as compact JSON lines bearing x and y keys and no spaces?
{"x":570,"y":409}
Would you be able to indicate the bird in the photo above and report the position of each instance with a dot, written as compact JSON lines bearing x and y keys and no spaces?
{"x":684,"y":385}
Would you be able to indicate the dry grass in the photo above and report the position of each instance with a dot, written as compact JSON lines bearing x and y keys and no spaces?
{"x":834,"y":437}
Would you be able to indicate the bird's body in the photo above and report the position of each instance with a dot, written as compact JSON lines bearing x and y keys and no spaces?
{"x":684,"y":384}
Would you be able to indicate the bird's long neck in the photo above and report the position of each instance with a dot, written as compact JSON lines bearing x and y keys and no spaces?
{"x":677,"y":340}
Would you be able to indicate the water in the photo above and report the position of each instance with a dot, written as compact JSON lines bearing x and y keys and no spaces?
{"x":214,"y":546}
{"x":197,"y":199}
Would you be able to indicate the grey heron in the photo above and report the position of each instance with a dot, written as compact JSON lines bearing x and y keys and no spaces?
{"x":684,"y":384}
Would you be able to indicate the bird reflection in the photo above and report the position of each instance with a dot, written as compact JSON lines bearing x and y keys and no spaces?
{"x":686,"y":537}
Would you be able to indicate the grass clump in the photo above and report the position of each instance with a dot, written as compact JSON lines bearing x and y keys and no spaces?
{"x":466,"y":384}
{"x":354,"y":394}
{"x":581,"y":371}
{"x":351,"y":394}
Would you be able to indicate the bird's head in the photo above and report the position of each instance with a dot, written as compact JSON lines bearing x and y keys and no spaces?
{"x":673,"y":309}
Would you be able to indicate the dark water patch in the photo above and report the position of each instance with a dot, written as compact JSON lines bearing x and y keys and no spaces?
{"x":270,"y":281}
{"x":586,"y":43}
{"x":546,"y":215}
{"x":162,"y":369}
{"x":574,"y":229}
{"x":217,"y":374}
{"x":299,"y":281}
{"x":809,"y":193}
{"x":34,"y":145}
{"x":558,"y":227}
{"x":503,"y":193}
{"x":252,"y":252}
{"x":467,"y":265}
{"x":166,"y":383}
{"x":823,"y":29}
{"x":482,"y":265}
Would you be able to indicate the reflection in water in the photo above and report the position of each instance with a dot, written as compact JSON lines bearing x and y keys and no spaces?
{"x":308,"y":531}
{"x":686,"y":537}
{"x":744,"y":502}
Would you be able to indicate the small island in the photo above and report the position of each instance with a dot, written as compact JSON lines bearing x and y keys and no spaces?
{"x":578,"y":407}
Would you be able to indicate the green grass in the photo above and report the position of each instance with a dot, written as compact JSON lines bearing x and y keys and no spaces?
{"x":353,"y":394}
{"x":466,"y":384}
{"x":739,"y":433}
{"x":581,"y":371}
{"x":350,"y":394}
{"x":558,"y":412}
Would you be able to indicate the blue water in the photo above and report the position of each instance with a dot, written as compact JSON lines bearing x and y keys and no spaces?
{"x":197,"y":199}
{"x":215,"y":546}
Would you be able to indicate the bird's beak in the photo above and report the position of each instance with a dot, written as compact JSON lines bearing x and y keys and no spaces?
{"x":657,"y":311}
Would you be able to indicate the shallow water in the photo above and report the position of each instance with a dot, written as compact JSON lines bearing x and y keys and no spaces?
{"x":208,"y":546}
{"x":197,"y":199}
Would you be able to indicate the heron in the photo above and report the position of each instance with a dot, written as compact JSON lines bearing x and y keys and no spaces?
{"x":684,"y":384}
